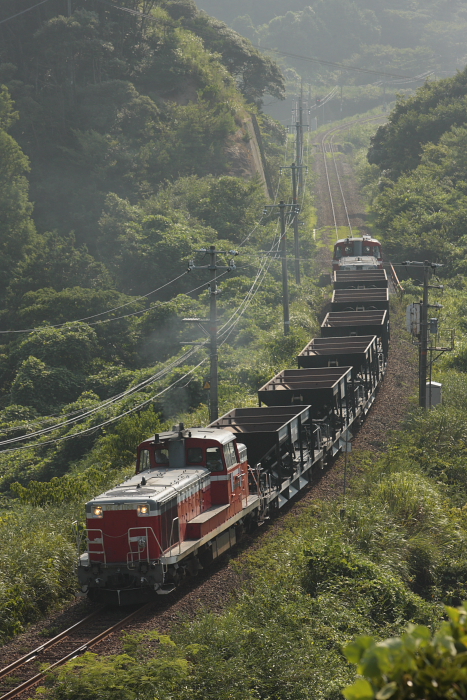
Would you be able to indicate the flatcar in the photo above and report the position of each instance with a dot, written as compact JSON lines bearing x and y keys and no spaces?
{"x":196,"y":490}
{"x":357,"y":254}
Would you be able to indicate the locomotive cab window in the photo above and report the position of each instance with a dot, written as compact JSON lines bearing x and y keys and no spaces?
{"x":162,"y":456}
{"x":338,"y":253}
{"x":194,"y":455}
{"x":144,"y":461}
{"x":214,"y":459}
{"x":229,"y":455}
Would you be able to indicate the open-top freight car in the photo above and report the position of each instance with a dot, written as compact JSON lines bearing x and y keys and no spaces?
{"x":360,"y":279}
{"x":363,"y":352}
{"x":360,"y":300}
{"x":355,"y":323}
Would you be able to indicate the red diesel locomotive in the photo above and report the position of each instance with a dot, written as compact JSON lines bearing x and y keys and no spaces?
{"x":183,"y":507}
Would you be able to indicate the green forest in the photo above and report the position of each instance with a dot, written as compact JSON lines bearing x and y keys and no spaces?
{"x":392,"y":36}
{"x":124,"y":152}
{"x":365,"y":47}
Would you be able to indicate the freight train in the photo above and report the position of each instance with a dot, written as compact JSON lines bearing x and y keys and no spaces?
{"x":196,"y":490}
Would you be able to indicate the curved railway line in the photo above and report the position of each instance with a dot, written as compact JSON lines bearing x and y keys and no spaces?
{"x":21,"y":675}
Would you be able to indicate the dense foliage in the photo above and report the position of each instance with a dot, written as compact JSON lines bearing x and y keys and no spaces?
{"x":396,"y":37}
{"x":123,"y":154}
{"x":417,"y":176}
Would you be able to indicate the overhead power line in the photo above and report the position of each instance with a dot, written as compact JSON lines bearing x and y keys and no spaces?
{"x":23,"y":12}
{"x":110,"y":420}
{"x":342,"y":66}
{"x":105,"y":404}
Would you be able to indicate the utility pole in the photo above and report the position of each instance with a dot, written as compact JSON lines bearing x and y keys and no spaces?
{"x":295,"y":210}
{"x":299,"y":141}
{"x":285,"y":278}
{"x":423,"y":334}
{"x":296,"y":169}
{"x":212,"y":323}
{"x":423,"y":350}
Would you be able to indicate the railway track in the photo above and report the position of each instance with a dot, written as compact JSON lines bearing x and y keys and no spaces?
{"x":27,"y":671}
{"x":340,"y":208}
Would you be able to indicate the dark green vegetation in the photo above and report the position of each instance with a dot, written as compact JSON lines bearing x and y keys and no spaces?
{"x":122,"y":139}
{"x":397,"y":553}
{"x":419,"y":171}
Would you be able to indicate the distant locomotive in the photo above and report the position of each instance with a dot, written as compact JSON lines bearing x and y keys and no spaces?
{"x":196,"y":490}
{"x":357,"y":254}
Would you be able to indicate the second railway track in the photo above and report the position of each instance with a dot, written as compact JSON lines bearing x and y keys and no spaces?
{"x":339,"y":211}
{"x":25,"y":672}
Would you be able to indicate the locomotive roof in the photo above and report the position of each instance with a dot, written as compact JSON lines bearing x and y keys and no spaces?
{"x":161,"y":485}
{"x":367,"y":239}
{"x":221,"y":436}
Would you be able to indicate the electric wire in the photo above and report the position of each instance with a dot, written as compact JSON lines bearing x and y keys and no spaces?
{"x":94,"y":428}
{"x":117,"y":318}
{"x":114,"y":399}
{"x":342,"y":66}
{"x":23,"y":12}
{"x":102,"y":313}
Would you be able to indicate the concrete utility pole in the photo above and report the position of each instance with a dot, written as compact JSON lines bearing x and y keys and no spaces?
{"x":295,"y":210}
{"x":296,"y":170}
{"x":212,"y":322}
{"x":423,"y":346}
{"x":299,"y":140}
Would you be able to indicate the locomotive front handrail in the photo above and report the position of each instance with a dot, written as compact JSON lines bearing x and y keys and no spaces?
{"x":130,"y":555}
{"x":171,"y":534}
{"x":98,"y":540}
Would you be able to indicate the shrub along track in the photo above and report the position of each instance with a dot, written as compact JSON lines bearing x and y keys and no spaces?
{"x":212,"y":589}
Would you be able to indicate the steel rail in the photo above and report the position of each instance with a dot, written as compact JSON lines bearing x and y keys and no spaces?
{"x":329,"y":136}
{"x":35,"y":652}
{"x":71,"y":655}
{"x":323,"y":148}
{"x":334,"y":160}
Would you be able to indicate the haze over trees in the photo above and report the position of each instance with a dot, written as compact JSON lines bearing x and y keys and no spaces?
{"x":394,"y":36}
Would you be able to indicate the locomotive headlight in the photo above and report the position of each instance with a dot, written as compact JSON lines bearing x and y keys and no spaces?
{"x":143,"y":510}
{"x":97,"y":511}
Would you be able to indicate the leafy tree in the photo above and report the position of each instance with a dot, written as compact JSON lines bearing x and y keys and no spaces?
{"x":73,"y":345}
{"x":54,"y":261}
{"x":17,"y":229}
{"x":415,"y":665}
{"x":255,"y":73}
{"x":44,"y":388}
{"x":423,"y":118}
